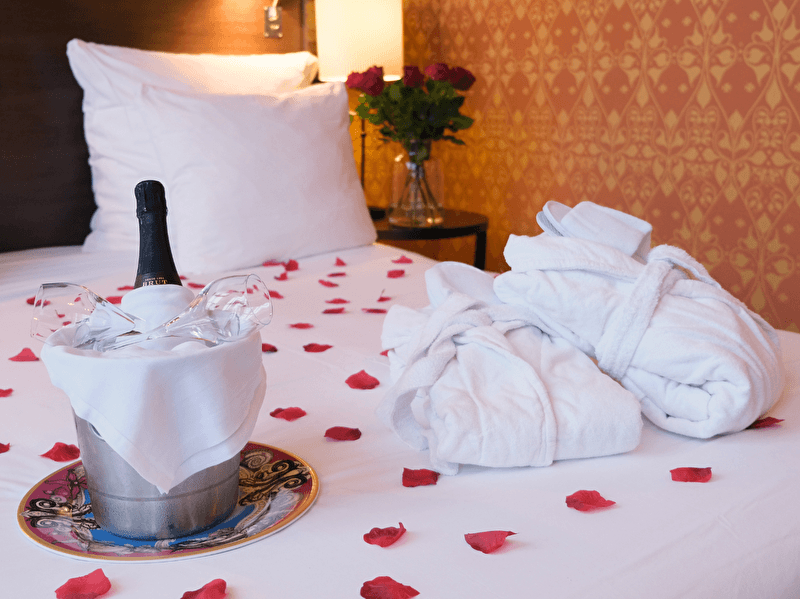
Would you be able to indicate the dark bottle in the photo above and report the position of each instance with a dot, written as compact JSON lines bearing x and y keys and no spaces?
{"x":156,"y":266}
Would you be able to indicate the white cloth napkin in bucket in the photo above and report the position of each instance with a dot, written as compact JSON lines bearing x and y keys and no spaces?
{"x":170,"y":413}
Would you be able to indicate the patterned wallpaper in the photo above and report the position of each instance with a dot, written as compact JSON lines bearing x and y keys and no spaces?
{"x":683,"y":112}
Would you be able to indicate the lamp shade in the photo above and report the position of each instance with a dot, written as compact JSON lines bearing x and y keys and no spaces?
{"x":353,"y":35}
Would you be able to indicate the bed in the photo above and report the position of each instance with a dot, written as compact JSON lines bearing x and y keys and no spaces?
{"x":736,"y":535}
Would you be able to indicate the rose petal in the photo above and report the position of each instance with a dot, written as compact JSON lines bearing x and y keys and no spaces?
{"x":282,"y":277}
{"x":302,"y":325}
{"x":90,"y":586}
{"x":30,"y":300}
{"x":385,"y":353}
{"x":6,"y":392}
{"x":316,"y":348}
{"x":489,"y":541}
{"x":342,"y":433}
{"x":396,"y":274}
{"x":333,"y":311}
{"x":586,"y":501}
{"x":125,"y":288}
{"x":384,"y":298}
{"x":384,"y":537}
{"x":403,"y":260}
{"x":384,"y":587}
{"x":291,"y":265}
{"x":420,"y":477}
{"x":195,"y":285}
{"x":114,"y":299}
{"x":328,"y":283}
{"x":340,"y":262}
{"x":337,"y":274}
{"x":4,"y":447}
{"x":272,"y":263}
{"x":274,"y":294}
{"x":61,"y":452}
{"x":691,"y":475}
{"x":212,"y":590}
{"x":268,"y":348}
{"x":182,"y":277}
{"x":374,"y":310}
{"x":337,"y":300}
{"x":288,"y":414}
{"x":362,"y":380}
{"x":766,"y":422}
{"x":26,"y":355}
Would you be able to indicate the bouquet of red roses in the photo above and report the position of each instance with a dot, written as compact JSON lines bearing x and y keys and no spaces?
{"x":417,"y":109}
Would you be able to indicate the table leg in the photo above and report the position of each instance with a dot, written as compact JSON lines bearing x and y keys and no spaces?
{"x":480,"y":250}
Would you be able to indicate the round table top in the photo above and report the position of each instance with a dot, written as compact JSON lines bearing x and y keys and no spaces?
{"x":457,"y":223}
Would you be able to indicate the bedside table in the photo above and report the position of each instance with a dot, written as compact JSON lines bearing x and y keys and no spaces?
{"x":457,"y":223}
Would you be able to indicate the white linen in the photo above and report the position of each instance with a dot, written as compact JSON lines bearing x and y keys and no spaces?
{"x":698,"y":360}
{"x":169,"y":410}
{"x":251,"y":178}
{"x":120,"y":151}
{"x":477,"y":382}
{"x":736,"y":536}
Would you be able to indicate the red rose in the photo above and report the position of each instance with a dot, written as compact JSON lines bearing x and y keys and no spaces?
{"x":461,"y":78}
{"x":438,"y":71}
{"x":370,"y":81}
{"x":413,"y":77}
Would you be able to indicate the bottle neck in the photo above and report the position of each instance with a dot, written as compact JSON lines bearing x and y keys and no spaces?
{"x":156,"y":265}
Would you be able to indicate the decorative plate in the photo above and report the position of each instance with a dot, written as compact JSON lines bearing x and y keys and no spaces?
{"x":275,"y":488}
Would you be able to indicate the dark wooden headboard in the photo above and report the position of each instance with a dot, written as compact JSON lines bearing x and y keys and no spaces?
{"x":45,"y":183}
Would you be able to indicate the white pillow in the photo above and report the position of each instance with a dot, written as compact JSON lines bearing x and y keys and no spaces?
{"x":252,"y":178}
{"x":120,"y":153}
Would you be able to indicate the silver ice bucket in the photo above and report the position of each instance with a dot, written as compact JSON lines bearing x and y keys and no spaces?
{"x":127,"y":505}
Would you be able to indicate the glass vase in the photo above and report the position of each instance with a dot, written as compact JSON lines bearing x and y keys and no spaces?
{"x":416,"y":189}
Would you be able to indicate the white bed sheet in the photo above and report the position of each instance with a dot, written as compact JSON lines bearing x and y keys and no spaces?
{"x":737,"y":536}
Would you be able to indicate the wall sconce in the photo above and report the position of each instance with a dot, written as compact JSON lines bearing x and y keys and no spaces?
{"x":273,"y":20}
{"x":353,"y":35}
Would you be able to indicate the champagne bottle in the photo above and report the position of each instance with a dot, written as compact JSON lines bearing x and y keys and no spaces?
{"x":156,"y":265}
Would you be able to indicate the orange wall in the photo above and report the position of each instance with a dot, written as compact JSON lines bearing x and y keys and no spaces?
{"x":685,"y":113}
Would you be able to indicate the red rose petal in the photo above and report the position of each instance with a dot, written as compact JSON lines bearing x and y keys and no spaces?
{"x":586,"y":501}
{"x":90,"y":586}
{"x":26,"y":355}
{"x":212,"y":590}
{"x":114,"y":299}
{"x":291,"y":265}
{"x":420,"y":477}
{"x":374,"y":310}
{"x":337,"y":300}
{"x":385,"y":353}
{"x":337,"y":274}
{"x":125,"y":288}
{"x":384,"y":587}
{"x":288,"y":414}
{"x":384,"y":298}
{"x":182,"y":277}
{"x":396,"y":274}
{"x":362,"y":380}
{"x":6,"y":392}
{"x":282,"y":277}
{"x":4,"y":447}
{"x":30,"y":300}
{"x":268,"y":348}
{"x":316,"y":348}
{"x":195,"y":285}
{"x":342,"y":433}
{"x":340,"y":262}
{"x":272,"y":263}
{"x":61,"y":452}
{"x":384,"y":537}
{"x":403,"y":260}
{"x":489,"y":541}
{"x":766,"y":422}
{"x":333,"y":311}
{"x":691,"y":475}
{"x":274,"y":294}
{"x":302,"y":325}
{"x":328,"y":283}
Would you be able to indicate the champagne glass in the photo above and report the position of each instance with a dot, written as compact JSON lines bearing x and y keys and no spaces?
{"x":69,"y":308}
{"x":227,"y":309}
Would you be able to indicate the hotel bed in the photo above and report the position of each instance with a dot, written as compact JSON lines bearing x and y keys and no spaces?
{"x":737,"y":535}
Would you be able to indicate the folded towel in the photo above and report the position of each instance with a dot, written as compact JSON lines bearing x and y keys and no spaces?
{"x":168,"y":414}
{"x":700,"y":362}
{"x":478,"y":382}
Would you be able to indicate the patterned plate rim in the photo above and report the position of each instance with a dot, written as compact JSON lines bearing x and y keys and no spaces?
{"x":298,"y":510}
